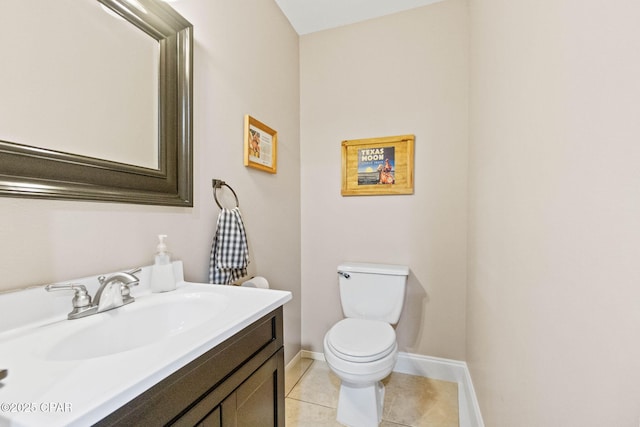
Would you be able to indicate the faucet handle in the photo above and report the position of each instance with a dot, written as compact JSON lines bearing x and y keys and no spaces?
{"x":125,"y":289}
{"x":81,"y":298}
{"x":134,"y":271}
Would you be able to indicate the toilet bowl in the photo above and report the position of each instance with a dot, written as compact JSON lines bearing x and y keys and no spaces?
{"x":361,"y":364}
{"x":362,"y":349}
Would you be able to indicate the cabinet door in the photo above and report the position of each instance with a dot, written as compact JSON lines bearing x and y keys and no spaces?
{"x":211,"y":420}
{"x":259,"y":401}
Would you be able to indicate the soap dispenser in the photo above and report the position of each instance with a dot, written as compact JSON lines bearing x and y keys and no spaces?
{"x":162,"y":277}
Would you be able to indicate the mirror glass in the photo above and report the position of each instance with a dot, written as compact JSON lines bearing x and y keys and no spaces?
{"x":95,"y":101}
{"x":68,"y":98}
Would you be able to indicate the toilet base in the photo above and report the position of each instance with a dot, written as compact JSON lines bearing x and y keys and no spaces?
{"x":360,"y":406}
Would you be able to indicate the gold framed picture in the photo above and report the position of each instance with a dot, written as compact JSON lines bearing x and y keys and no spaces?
{"x":260,"y":145}
{"x":377,"y":166}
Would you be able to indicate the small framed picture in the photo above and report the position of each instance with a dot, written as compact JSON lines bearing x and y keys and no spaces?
{"x":260,"y":145}
{"x":377,"y":166}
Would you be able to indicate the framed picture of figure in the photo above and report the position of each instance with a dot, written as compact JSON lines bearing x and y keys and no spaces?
{"x":377,"y":166}
{"x":260,"y":145}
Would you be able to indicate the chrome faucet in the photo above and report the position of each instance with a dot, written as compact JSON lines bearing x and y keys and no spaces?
{"x":113,"y":292}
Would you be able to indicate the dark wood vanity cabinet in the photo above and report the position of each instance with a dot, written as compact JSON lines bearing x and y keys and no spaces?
{"x":238,"y":383}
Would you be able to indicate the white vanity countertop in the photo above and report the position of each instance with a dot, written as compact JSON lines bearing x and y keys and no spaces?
{"x":48,"y":385}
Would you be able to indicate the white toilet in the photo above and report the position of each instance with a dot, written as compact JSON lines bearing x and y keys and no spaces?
{"x":361,"y":349}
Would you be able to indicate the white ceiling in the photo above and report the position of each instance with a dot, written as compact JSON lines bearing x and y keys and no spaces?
{"x":308,"y":16}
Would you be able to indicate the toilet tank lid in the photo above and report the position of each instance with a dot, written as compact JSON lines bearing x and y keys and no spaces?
{"x":365,"y":267}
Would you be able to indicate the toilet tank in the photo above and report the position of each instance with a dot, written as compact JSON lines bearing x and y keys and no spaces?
{"x":372,"y":291}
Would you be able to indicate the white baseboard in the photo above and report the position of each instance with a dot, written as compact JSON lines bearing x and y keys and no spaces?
{"x":291,"y":374}
{"x":292,"y":363}
{"x":306,"y":354}
{"x":438,"y":369}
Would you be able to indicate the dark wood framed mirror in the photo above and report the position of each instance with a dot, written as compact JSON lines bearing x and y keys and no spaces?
{"x":30,"y":170}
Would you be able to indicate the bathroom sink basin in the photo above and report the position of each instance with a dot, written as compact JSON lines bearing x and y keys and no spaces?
{"x":100,"y":362}
{"x":145,"y":322}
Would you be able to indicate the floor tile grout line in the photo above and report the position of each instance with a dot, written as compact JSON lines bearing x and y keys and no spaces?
{"x":300,"y":378}
{"x":300,"y":385}
{"x":312,"y":403}
{"x":332,"y":408}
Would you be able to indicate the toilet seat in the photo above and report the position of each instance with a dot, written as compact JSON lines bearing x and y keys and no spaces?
{"x":361,"y":340}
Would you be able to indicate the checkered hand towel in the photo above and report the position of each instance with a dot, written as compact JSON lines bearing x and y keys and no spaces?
{"x":229,"y":253}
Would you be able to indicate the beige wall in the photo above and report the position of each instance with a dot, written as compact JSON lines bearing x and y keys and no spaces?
{"x":244,"y":63}
{"x":400,"y":74}
{"x":550,"y":322}
{"x":553,"y":318}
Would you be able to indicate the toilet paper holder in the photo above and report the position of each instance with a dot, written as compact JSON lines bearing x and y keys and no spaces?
{"x":256,"y":282}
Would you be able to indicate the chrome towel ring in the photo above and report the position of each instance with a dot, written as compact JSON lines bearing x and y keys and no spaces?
{"x":218,"y":183}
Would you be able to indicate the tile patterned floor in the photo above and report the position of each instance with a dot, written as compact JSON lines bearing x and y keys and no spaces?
{"x":409,"y":400}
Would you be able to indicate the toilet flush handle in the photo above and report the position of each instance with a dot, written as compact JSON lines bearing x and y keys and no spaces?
{"x":345,"y":275}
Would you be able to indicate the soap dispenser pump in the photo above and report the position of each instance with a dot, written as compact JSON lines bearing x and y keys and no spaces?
{"x":162,"y":277}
